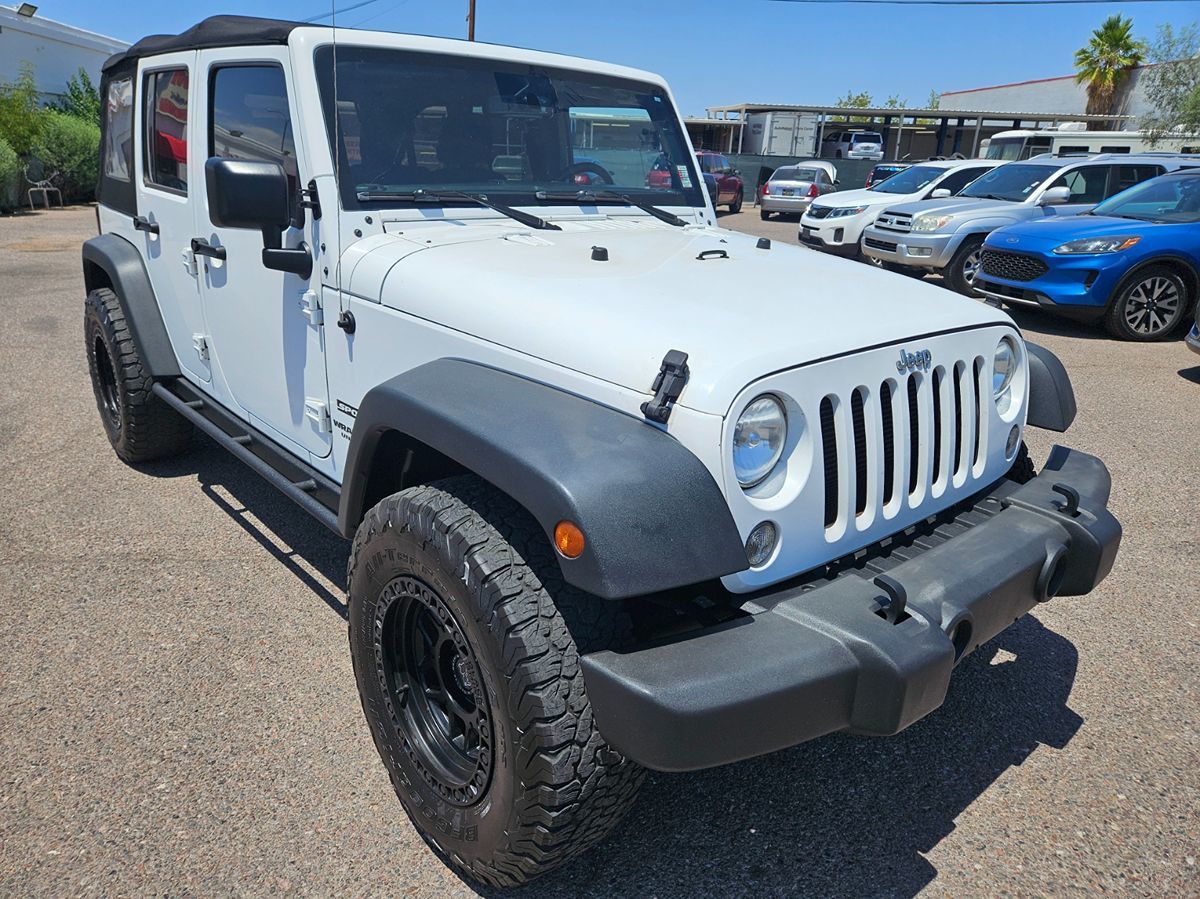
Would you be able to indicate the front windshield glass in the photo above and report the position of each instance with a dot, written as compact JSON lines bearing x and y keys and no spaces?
{"x":910,"y":180}
{"x":1008,"y":148}
{"x":792,"y":173}
{"x":417,"y":121}
{"x":1170,"y":200}
{"x":1009,"y":182}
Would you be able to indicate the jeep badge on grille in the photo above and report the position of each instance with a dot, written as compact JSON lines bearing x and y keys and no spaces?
{"x":921,"y":360}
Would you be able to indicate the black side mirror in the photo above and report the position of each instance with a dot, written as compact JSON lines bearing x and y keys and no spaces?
{"x":245,"y":194}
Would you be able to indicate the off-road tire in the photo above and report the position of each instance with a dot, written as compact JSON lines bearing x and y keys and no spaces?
{"x":555,"y":788}
{"x":139,"y":425}
{"x":1116,"y":320}
{"x":953,"y":273}
{"x":736,"y":206}
{"x":1022,"y":470}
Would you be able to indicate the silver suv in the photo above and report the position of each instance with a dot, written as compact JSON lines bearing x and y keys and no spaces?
{"x":946,"y":236}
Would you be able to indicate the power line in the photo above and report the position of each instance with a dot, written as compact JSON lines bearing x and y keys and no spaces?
{"x":337,"y":12}
{"x":977,"y":2}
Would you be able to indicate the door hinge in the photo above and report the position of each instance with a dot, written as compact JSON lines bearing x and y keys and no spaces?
{"x":668,"y":385}
{"x":310,"y":305}
{"x":318,"y":413}
{"x":189,"y":261}
{"x":200,"y":345}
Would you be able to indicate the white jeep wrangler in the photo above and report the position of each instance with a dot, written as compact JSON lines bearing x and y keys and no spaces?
{"x":605,"y":514}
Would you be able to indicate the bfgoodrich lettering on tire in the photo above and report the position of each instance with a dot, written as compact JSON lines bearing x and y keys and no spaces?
{"x":139,"y":425}
{"x":466,"y":647}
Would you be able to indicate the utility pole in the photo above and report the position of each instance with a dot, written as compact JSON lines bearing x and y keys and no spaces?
{"x":471,"y":21}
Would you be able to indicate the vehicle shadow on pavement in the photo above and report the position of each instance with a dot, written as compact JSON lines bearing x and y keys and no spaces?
{"x":1190,"y":374}
{"x":840,"y":815}
{"x":1044,"y":323}
{"x":270,"y":518}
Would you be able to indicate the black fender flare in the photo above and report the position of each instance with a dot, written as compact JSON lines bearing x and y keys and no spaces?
{"x":1051,"y":396}
{"x":652,"y":515}
{"x":109,"y":260}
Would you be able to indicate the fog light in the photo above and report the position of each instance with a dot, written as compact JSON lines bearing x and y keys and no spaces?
{"x":760,"y":544}
{"x":1013,"y":437}
{"x":920,"y":251}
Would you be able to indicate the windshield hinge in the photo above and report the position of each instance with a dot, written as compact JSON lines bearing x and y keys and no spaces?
{"x":668,"y":385}
{"x":310,"y":199}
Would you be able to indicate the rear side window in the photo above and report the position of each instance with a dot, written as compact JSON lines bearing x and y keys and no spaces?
{"x":117,"y":152}
{"x":1087,"y":183}
{"x":165,"y":145}
{"x":1126,"y":176}
{"x":1124,"y":149}
{"x":249,"y":118}
{"x":960,"y":178}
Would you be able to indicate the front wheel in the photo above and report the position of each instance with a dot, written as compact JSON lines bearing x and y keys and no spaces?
{"x":1149,"y":305}
{"x":963,"y":269}
{"x":466,"y":648}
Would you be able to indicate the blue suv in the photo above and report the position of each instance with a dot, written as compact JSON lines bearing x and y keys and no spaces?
{"x":1132,"y":261}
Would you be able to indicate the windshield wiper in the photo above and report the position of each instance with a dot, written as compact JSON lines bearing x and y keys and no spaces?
{"x":420,"y":195}
{"x":591,"y":196}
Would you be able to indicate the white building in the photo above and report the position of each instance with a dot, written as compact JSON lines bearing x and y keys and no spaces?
{"x":1050,"y":96}
{"x":56,"y":50}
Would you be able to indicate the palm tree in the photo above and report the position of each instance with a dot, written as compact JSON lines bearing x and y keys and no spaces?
{"x":1105,"y":62}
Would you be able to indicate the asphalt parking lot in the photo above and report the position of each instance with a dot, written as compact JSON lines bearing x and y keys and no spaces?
{"x":179,"y":715}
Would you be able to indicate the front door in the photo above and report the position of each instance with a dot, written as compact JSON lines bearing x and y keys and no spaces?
{"x":267,"y":334}
{"x":168,"y":189}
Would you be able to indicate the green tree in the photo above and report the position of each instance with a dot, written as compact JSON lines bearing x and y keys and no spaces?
{"x":1104,"y":64}
{"x":10,"y":170}
{"x":934,"y":101}
{"x":21,"y":113}
{"x":81,"y":100}
{"x":852,"y":100}
{"x":1173,"y":85}
{"x":896,"y":102}
{"x":71,"y":147}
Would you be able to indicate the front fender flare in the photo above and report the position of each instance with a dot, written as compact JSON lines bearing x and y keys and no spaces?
{"x":652,"y":514}
{"x":1051,"y":396}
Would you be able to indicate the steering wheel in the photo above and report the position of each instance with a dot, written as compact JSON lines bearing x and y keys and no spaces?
{"x":587,"y":168}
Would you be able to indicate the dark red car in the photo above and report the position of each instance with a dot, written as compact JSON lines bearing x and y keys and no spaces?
{"x":730,"y":189}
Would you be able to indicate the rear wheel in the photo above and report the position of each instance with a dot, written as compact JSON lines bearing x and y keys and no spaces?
{"x":139,"y":425}
{"x":736,"y":205}
{"x":1148,"y":306}
{"x":963,"y":269}
{"x":466,"y":646}
{"x":764,"y":215}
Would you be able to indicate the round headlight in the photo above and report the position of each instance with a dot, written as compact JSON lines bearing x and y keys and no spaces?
{"x":758,"y":439}
{"x":1004,"y":366}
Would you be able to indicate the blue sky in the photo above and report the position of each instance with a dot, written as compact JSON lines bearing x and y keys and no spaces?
{"x":716,"y":52}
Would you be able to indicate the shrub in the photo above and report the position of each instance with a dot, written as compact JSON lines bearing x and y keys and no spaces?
{"x":20,"y":112}
{"x":71,"y":147}
{"x":10,"y":172}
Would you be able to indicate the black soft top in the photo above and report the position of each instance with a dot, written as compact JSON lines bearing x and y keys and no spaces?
{"x":215,"y":31}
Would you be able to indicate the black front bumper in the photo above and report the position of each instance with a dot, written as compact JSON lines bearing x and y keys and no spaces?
{"x":823,"y":656}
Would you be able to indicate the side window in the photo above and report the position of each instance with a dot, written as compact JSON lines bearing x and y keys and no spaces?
{"x":117,"y":152}
{"x":1124,"y":149}
{"x":960,"y":178}
{"x":1087,"y":183}
{"x":165,"y":137}
{"x":1128,"y":175}
{"x":249,"y":118}
{"x":1072,"y":150}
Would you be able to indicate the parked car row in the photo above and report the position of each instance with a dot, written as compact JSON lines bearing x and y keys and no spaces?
{"x":1108,"y":237}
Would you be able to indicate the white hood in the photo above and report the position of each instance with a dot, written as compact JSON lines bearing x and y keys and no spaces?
{"x":738,"y":318}
{"x":858,"y":197}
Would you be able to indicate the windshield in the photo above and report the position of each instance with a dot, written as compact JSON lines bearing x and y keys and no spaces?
{"x":792,"y":173}
{"x":910,"y":180}
{"x":1009,"y":182}
{"x":416,"y":121}
{"x":1174,"y":200}
{"x":1008,"y":148}
{"x":866,"y":137}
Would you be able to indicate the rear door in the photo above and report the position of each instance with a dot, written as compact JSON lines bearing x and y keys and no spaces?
{"x":168,"y":191}
{"x":267,"y":327}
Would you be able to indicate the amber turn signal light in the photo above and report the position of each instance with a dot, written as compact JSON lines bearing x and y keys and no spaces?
{"x":568,"y":539}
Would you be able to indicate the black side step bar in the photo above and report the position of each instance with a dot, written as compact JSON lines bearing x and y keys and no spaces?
{"x":299,"y":482}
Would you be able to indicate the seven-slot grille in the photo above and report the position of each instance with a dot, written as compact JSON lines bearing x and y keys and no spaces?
{"x":908,"y":438}
{"x":1012,"y":266}
{"x":819,"y":212}
{"x":900,"y":222}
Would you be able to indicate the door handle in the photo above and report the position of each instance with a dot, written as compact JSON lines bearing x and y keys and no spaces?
{"x":202,"y":247}
{"x":141,"y":223}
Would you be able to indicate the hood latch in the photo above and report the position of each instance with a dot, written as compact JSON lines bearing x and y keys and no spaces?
{"x":668,"y":385}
